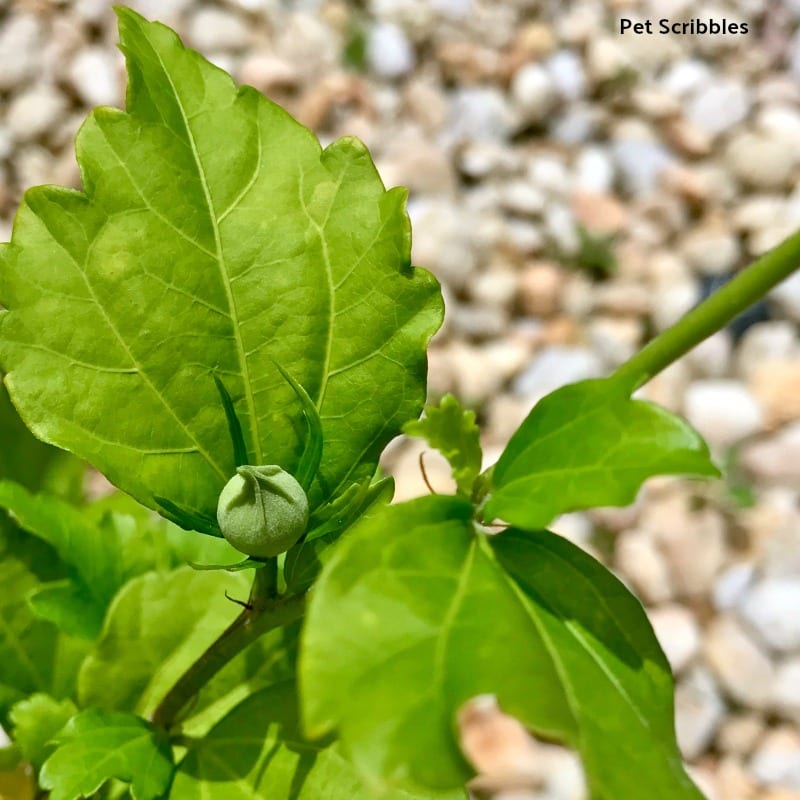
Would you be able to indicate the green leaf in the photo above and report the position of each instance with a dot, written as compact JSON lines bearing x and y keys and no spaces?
{"x":156,"y":627}
{"x":96,"y":746}
{"x":416,"y":613}
{"x":35,"y":722}
{"x":452,"y":431}
{"x":31,"y":462}
{"x":68,"y":605}
{"x":215,"y":237}
{"x":585,"y":445}
{"x":33,"y":655}
{"x":258,"y":753}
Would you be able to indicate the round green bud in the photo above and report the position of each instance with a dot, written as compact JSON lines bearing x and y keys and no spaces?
{"x":262,"y":511}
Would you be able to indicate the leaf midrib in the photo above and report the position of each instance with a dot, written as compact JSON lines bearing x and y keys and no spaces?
{"x":248,"y":392}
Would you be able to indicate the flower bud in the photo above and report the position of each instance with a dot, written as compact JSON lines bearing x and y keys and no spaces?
{"x":262,"y":511}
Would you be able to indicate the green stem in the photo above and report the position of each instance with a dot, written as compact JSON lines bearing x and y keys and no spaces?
{"x":749,"y":286}
{"x":263,"y":612}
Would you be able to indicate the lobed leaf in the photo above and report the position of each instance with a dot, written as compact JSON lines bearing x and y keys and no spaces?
{"x":96,"y":746}
{"x":416,"y":613}
{"x":214,"y":237}
{"x":586,"y":445}
{"x":35,"y":722}
{"x":452,"y":431}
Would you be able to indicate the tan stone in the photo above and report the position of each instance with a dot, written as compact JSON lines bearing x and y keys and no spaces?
{"x":600,"y":213}
{"x":541,"y":288}
{"x":776,"y":384}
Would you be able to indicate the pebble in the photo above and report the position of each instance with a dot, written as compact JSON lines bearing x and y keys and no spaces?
{"x":740,"y":664}
{"x":641,"y":162}
{"x":761,"y":161}
{"x":787,"y":296}
{"x":599,"y":212}
{"x":615,"y":339}
{"x":699,"y":711}
{"x":638,"y":560}
{"x":678,"y":634}
{"x":766,"y":341}
{"x":35,"y":112}
{"x":712,"y":357}
{"x":723,"y":411}
{"x":776,"y":385}
{"x":95,"y":75}
{"x":533,"y":92}
{"x":594,"y":170}
{"x":213,"y":29}
{"x":21,"y":38}
{"x":776,"y":459}
{"x":556,"y":366}
{"x":480,"y":113}
{"x":719,"y":106}
{"x":711,"y":248}
{"x":740,"y":733}
{"x":771,"y":607}
{"x":776,"y":762}
{"x":389,"y":53}
{"x":730,"y":586}
{"x":569,"y":78}
{"x":786,"y":690}
{"x":541,"y":288}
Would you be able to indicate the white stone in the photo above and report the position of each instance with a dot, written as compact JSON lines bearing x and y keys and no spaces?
{"x":594,"y":170}
{"x":576,"y":124}
{"x":559,"y":226}
{"x":699,"y":710}
{"x":555,"y":366}
{"x":787,"y":295}
{"x":20,"y":42}
{"x":533,"y":92}
{"x":711,"y":358}
{"x":723,"y":411}
{"x":711,"y":249}
{"x":776,"y":762}
{"x":719,"y":106}
{"x":389,"y":53}
{"x":550,"y":174}
{"x":480,"y":113}
{"x":95,"y":75}
{"x":566,"y":70}
{"x":766,"y":341}
{"x":730,"y":586}
{"x":213,"y":29}
{"x":739,"y":663}
{"x":36,"y":112}
{"x":686,"y":76}
{"x":160,"y":9}
{"x":772,"y":608}
{"x":678,"y":634}
{"x":786,"y":690}
{"x":641,"y":163}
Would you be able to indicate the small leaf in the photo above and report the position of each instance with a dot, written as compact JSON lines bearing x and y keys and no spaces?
{"x":96,"y":746}
{"x":240,"y":457}
{"x":452,"y":431}
{"x":258,"y":753}
{"x":586,"y":445}
{"x":68,"y":605}
{"x":416,"y":613}
{"x":35,"y":722}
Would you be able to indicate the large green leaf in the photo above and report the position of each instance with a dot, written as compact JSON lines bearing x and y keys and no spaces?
{"x":258,"y":753}
{"x":215,"y":237}
{"x":417,"y":612}
{"x":34,"y":656}
{"x":585,"y":445}
{"x":96,"y":746}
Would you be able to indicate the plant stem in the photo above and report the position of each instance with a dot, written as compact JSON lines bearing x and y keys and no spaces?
{"x":264,"y":611}
{"x":749,"y":286}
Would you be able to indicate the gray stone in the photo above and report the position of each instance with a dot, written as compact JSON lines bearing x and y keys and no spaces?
{"x":566,"y":70}
{"x":699,"y":710}
{"x":772,"y":608}
{"x":389,"y":53}
{"x":641,"y":163}
{"x":730,"y":586}
{"x":480,"y":113}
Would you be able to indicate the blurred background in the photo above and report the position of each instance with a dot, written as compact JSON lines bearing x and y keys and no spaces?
{"x":576,"y":191}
